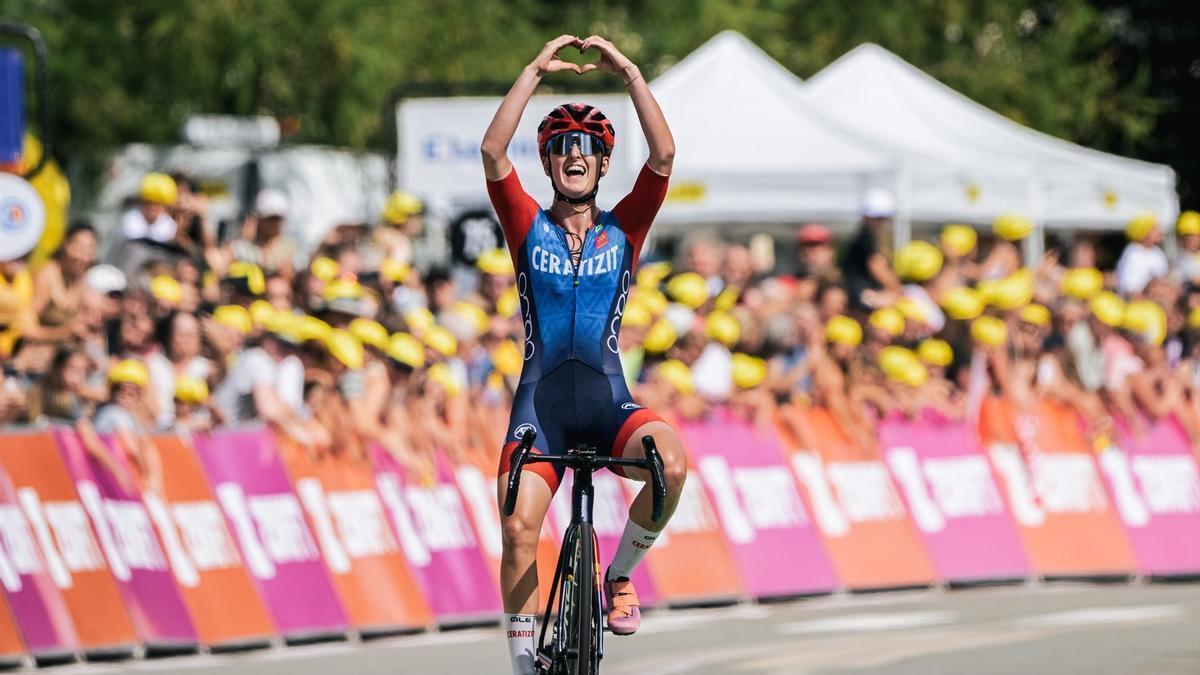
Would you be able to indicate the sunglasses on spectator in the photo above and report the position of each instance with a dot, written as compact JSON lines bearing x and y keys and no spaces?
{"x":562,"y":144}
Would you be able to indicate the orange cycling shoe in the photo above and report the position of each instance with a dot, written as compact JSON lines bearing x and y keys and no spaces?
{"x":624,"y":617}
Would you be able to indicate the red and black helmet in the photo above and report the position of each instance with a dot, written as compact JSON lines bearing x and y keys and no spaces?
{"x":576,"y":117}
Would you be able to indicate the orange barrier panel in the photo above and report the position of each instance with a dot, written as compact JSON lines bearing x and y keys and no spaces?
{"x":860,"y":515}
{"x":66,"y":541}
{"x":1054,"y":489}
{"x":225,"y":606}
{"x":12,"y":650}
{"x":351,"y":527}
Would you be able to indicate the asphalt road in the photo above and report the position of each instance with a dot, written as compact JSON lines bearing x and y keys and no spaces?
{"x":1047,"y":629}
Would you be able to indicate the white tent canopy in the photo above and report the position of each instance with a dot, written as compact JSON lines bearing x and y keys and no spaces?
{"x":748,"y":149}
{"x":880,"y":96}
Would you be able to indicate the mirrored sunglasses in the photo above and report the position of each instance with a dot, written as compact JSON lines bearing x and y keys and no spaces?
{"x":588,"y":145}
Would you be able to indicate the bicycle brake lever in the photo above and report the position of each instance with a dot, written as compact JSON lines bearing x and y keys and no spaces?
{"x":515,"y":464}
{"x":658,"y":484}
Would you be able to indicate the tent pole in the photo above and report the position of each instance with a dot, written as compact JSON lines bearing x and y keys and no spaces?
{"x":1035,"y":243}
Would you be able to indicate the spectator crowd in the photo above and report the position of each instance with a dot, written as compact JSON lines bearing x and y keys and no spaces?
{"x":360,"y":343}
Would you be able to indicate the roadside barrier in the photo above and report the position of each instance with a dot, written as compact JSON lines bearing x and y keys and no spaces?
{"x":251,"y":539}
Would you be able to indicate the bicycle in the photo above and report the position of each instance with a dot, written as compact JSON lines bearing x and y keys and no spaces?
{"x":577,"y":644}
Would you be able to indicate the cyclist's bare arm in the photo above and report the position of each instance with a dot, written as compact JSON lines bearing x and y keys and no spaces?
{"x":654,"y":124}
{"x":496,"y":164}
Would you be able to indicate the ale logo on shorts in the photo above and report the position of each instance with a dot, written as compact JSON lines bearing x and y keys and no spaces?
{"x":519,"y":432}
{"x":630,"y":406}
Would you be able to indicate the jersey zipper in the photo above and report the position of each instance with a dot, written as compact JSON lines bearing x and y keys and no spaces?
{"x":575,"y":281}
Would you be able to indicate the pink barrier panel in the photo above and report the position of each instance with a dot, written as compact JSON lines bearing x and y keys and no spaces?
{"x":759,"y":505}
{"x":38,"y":607}
{"x":1156,"y":489}
{"x":443,"y":551}
{"x":953,"y":498}
{"x":130,"y":543}
{"x":609,"y":515}
{"x":266,"y":518}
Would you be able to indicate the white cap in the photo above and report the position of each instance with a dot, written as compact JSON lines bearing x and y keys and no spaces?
{"x":878,"y":203}
{"x":271,"y":203}
{"x":105,"y":279}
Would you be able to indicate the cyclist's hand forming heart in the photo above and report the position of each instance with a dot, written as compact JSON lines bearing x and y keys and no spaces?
{"x":548,"y":61}
{"x":611,"y":58}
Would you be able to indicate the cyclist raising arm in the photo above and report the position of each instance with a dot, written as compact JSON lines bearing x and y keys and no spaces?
{"x":574,"y":263}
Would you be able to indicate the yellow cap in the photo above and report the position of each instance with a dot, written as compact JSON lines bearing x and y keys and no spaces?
{"x":887,"y":319}
{"x":1193,"y":319}
{"x":1141,"y":225}
{"x":509,"y":302}
{"x":191,"y":389}
{"x":912,"y":310}
{"x":723,"y":327}
{"x":1011,"y":292}
{"x":346,"y":348}
{"x":636,"y":315}
{"x":843,"y":330}
{"x":676,"y":373}
{"x":261,"y":312}
{"x":394,"y":270}
{"x":935,"y":352}
{"x":283,"y":324}
{"x":310,"y":328}
{"x":989,"y":331}
{"x":902,"y":365}
{"x":958,"y":240}
{"x":400,"y":205}
{"x":651,"y":275}
{"x":474,"y":314}
{"x":507,"y":358}
{"x":688,"y":289}
{"x":495,"y":261}
{"x":441,"y":341}
{"x":1188,"y":223}
{"x":1147,"y":319}
{"x":129,"y":371}
{"x":1035,"y":314}
{"x":323,"y":268}
{"x":1012,"y":226}
{"x":158,"y":188}
{"x":653,"y":299}
{"x":235,"y":317}
{"x":1108,"y":308}
{"x":962,"y":303}
{"x":727,"y":298}
{"x":660,"y":337}
{"x":1082,"y":282}
{"x":343,"y":289}
{"x":441,"y":373}
{"x":166,"y":289}
{"x":918,"y":261}
{"x":418,"y":320}
{"x":407,"y":350}
{"x":748,"y":371}
{"x":371,"y":333}
{"x":256,"y":281}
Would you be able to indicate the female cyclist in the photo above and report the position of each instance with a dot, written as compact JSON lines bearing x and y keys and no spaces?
{"x":574,"y":263}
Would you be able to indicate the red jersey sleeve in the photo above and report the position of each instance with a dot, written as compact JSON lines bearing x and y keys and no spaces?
{"x":636,"y":211}
{"x":514,"y":207}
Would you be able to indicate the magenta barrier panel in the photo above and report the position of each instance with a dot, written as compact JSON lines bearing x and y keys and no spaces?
{"x":130,"y":542}
{"x":431,"y":523}
{"x":953,"y":497}
{"x":1155,"y":484}
{"x":265,"y":517}
{"x":758,"y":502}
{"x":609,"y":515}
{"x":29,"y":584}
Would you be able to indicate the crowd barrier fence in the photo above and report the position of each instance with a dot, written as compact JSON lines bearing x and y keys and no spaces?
{"x":252,"y":540}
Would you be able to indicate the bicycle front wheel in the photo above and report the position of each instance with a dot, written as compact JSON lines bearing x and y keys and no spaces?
{"x":579,"y":593}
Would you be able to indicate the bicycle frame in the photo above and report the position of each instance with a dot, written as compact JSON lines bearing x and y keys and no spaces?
{"x":583,"y":461}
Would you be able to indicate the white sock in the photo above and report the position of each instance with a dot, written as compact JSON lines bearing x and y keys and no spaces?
{"x":521,"y":629}
{"x":635,"y":541}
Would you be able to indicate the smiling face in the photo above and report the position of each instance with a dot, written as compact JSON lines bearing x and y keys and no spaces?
{"x":575,"y":174}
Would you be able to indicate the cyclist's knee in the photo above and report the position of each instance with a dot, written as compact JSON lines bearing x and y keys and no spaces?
{"x":520,"y":532}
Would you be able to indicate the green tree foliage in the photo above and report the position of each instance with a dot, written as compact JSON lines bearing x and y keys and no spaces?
{"x":133,"y":70}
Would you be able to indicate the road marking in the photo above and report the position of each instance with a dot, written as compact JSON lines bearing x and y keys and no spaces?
{"x":867,"y":623}
{"x":1089,"y":616}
